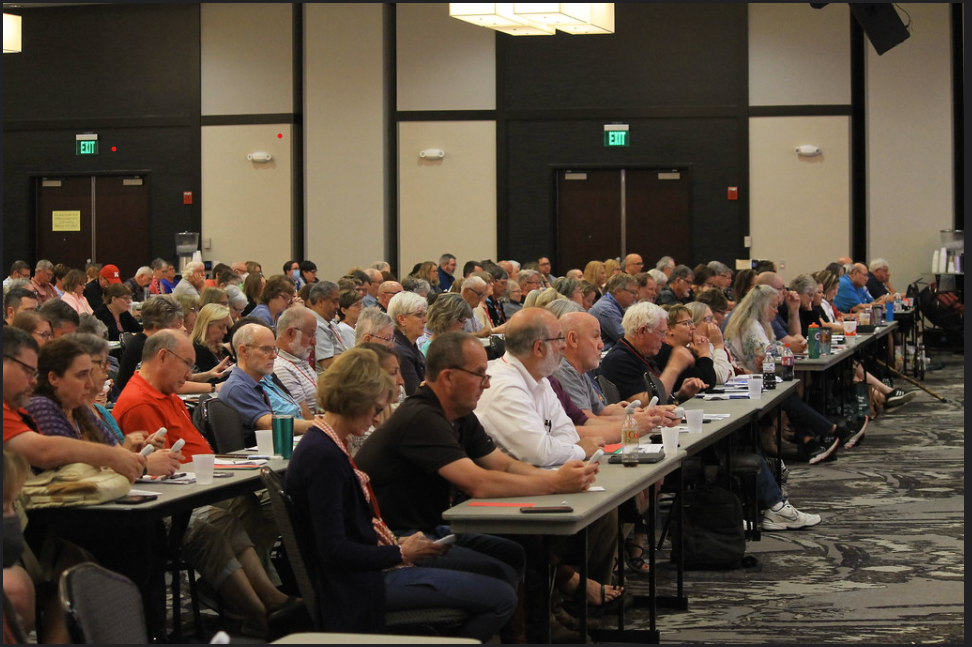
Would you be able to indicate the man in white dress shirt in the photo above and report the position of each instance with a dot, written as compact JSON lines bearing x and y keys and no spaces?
{"x":520,"y":410}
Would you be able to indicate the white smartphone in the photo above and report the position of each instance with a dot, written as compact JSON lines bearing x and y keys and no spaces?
{"x":595,"y":457}
{"x":178,"y":445}
{"x":448,"y":540}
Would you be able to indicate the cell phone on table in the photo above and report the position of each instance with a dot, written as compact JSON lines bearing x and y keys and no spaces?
{"x":596,"y":456}
{"x":135,"y":499}
{"x":551,"y":509}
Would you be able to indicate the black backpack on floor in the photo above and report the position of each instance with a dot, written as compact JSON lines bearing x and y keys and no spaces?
{"x":713,"y":537}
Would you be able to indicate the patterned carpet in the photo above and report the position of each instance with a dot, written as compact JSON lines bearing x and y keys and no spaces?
{"x":886,"y":565}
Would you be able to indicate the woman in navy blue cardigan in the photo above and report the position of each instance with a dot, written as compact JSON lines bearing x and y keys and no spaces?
{"x":360,"y":569}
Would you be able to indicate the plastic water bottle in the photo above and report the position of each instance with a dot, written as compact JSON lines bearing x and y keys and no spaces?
{"x":629,"y":436}
{"x":769,"y":369}
{"x":786,"y":364}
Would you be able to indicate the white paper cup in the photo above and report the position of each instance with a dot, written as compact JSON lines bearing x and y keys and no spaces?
{"x":203,"y":464}
{"x":693,"y":417}
{"x":670,"y":440}
{"x":850,"y":326}
{"x":755,"y":387}
{"x":264,"y":438}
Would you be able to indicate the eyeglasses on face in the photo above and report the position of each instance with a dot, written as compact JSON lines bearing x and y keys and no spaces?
{"x":483,"y":377}
{"x":688,"y":323}
{"x":31,"y":371}
{"x":185,"y":361}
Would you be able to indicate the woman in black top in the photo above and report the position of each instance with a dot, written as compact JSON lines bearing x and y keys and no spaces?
{"x":114,"y":311}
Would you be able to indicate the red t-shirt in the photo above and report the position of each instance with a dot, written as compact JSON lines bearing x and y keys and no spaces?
{"x":13,"y":422}
{"x":142,"y":407}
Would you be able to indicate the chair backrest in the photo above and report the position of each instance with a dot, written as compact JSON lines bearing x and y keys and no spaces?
{"x":102,"y":607}
{"x":284,"y":513}
{"x":224,"y":427}
{"x":124,"y":339}
{"x":611,"y":393}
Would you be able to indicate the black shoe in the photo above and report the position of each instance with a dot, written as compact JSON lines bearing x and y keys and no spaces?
{"x":823,"y":450}
{"x":898,"y":397}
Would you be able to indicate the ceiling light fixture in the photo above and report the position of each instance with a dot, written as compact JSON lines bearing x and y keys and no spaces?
{"x":12,"y":43}
{"x":537,"y":18}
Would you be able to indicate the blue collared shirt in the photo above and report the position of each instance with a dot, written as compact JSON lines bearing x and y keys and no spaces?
{"x":848,"y":295}
{"x":609,"y":314}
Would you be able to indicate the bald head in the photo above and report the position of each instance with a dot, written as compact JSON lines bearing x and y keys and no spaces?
{"x":386,"y":291}
{"x":845,"y":260}
{"x":582,"y":340}
{"x":771,"y":279}
{"x":576,"y":274}
{"x":526,"y":327}
{"x":633,"y":264}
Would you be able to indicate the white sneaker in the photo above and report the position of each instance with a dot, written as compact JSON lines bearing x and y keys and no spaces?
{"x":788,"y":518}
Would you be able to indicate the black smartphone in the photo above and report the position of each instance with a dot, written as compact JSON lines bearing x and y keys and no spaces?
{"x":546,"y":509}
{"x":135,"y":499}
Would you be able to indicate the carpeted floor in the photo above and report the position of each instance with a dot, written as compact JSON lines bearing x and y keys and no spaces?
{"x":887,"y":563}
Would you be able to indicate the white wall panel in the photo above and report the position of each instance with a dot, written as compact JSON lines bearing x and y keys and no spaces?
{"x":447,"y":205}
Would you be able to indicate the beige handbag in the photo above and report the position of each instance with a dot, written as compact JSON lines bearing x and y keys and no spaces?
{"x":74,"y":484}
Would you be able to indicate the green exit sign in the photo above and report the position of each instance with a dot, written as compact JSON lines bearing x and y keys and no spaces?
{"x":85,"y":144}
{"x":616,"y":135}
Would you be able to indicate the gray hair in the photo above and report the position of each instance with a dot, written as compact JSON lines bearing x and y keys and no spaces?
{"x":406,"y":303}
{"x":566,"y":286}
{"x":560,"y":307}
{"x":643,"y":313}
{"x":445,"y":258}
{"x":246,"y":335}
{"x":474,"y":283}
{"x":445,"y":311}
{"x":371,"y":321}
{"x":520,"y":340}
{"x":161,"y":311}
{"x":143,"y":271}
{"x":419,"y":286}
{"x":804,"y":284}
{"x":878,"y":264}
{"x":44,"y":265}
{"x":293,"y":317}
{"x":194,"y":266}
{"x":91,"y":324}
{"x":697,"y":308}
{"x":320,"y":291}
{"x":162,"y":340}
{"x":718,"y":267}
{"x":665,"y":261}
{"x":515,"y":264}
{"x":381,"y":266}
{"x":524,"y":275}
{"x":682,"y":272}
{"x":159,"y":264}
{"x":236,"y":297}
{"x":90,"y":343}
{"x":661,"y":279}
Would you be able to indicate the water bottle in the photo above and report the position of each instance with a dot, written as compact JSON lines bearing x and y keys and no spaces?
{"x":813,"y":341}
{"x":769,"y":369}
{"x":629,"y":436}
{"x":921,"y":361}
{"x":786,"y":364}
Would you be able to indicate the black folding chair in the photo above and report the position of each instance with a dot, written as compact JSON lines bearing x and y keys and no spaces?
{"x":102,"y":607}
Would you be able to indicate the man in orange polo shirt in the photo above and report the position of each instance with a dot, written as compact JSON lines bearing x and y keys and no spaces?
{"x":150,"y":399}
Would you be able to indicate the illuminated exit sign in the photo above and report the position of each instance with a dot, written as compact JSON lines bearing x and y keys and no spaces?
{"x":616,"y":135}
{"x":86,"y":144}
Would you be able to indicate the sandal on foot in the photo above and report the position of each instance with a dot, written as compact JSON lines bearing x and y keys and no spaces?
{"x":636,"y":563}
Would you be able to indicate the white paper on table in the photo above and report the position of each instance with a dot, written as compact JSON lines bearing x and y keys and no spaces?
{"x":185,"y":479}
{"x":715,"y":416}
{"x":596,"y":488}
{"x":653,"y":449}
{"x":143,"y":493}
{"x":229,"y":462}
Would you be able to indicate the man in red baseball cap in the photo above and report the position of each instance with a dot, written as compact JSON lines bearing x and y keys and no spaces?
{"x":94,"y":292}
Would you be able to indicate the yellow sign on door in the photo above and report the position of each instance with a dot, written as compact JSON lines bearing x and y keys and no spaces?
{"x":65,"y":221}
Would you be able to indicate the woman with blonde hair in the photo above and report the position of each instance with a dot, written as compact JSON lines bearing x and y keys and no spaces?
{"x":207,"y":336}
{"x":429,"y":271}
{"x":540,"y":298}
{"x":596,"y":274}
{"x":612,"y":267}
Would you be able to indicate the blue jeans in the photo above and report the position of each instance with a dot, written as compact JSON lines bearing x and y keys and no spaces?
{"x":767,"y":490}
{"x":805,"y":418}
{"x":488,"y":601}
{"x":496,"y":557}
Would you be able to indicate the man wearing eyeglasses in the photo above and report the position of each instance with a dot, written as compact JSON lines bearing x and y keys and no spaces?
{"x":621,"y":291}
{"x":324,"y":299}
{"x":679,"y":288}
{"x":386,"y":291}
{"x":251,"y":388}
{"x":434,"y":443}
{"x":473,"y":293}
{"x":633,"y":264}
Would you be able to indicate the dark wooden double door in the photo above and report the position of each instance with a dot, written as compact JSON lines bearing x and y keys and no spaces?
{"x":93,"y":219}
{"x":608,"y":213}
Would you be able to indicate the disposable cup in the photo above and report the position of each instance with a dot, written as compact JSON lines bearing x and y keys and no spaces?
{"x":203,"y":464}
{"x":264,"y":438}
{"x":850,"y":327}
{"x":755,"y":387}
{"x":693,"y":417}
{"x":670,"y":440}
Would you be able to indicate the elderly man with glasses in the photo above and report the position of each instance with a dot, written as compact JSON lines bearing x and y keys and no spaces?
{"x":251,"y":388}
{"x":621,"y":291}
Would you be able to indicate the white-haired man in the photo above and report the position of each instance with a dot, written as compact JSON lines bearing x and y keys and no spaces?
{"x":139,"y":283}
{"x":193,"y":280}
{"x":879,"y":280}
{"x":296,"y":339}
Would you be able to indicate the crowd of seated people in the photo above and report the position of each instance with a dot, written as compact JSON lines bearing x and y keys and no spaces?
{"x":395,"y":373}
